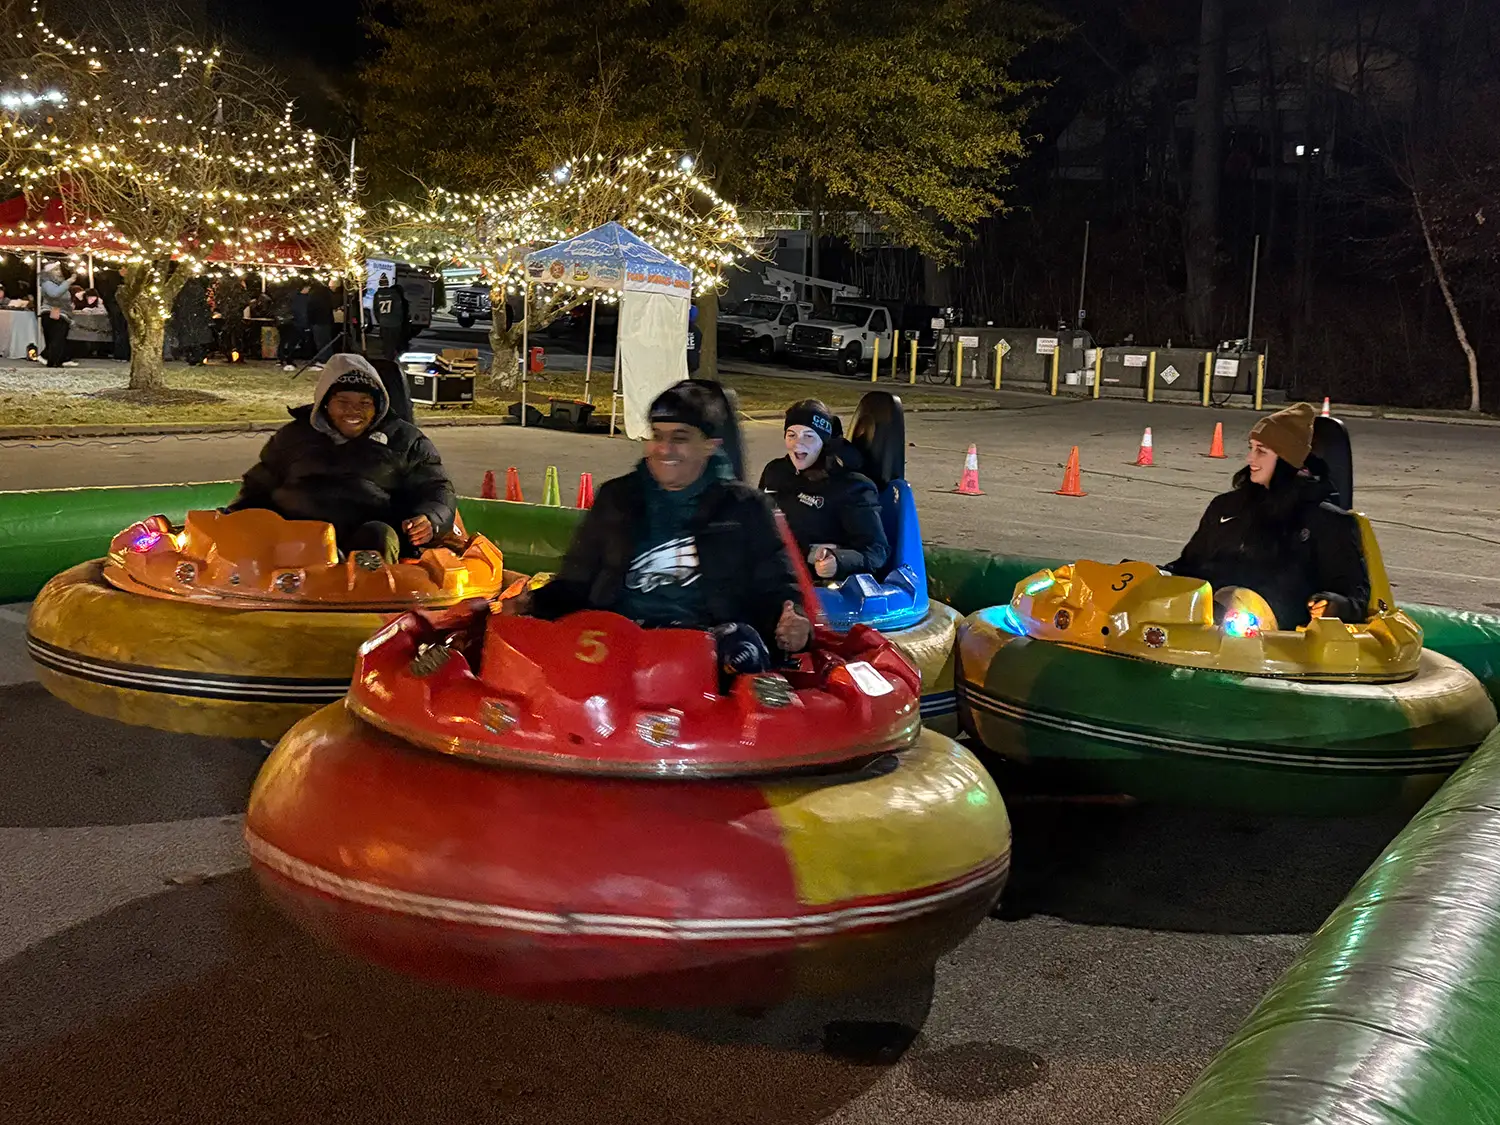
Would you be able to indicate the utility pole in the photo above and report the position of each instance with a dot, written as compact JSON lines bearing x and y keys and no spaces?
{"x":1083,"y":278}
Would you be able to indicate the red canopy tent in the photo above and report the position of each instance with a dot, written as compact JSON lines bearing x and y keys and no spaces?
{"x":49,"y":228}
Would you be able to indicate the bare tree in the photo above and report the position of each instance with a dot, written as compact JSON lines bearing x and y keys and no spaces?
{"x":167,"y":156}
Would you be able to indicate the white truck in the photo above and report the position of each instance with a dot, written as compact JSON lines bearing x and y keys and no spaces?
{"x":844,"y":338}
{"x":759,"y":326}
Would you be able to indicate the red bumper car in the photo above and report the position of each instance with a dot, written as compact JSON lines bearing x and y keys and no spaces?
{"x":574,"y":811}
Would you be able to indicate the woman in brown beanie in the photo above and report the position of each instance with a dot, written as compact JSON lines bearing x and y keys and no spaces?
{"x":1280,"y":533}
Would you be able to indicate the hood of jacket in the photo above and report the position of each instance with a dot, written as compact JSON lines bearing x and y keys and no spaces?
{"x":348,"y":372}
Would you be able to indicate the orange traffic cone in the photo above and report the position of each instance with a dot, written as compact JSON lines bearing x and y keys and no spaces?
{"x":513,"y":485}
{"x":1072,"y":478}
{"x":585,"y":491}
{"x":1143,"y":458}
{"x":968,"y":484}
{"x":487,"y":489}
{"x":1216,"y":448}
{"x":1325,"y":407}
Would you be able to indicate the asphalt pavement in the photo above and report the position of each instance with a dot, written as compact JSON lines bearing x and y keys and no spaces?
{"x":144,"y":979}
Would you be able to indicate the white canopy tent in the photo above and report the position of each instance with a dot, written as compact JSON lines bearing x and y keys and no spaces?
{"x":655,"y":295}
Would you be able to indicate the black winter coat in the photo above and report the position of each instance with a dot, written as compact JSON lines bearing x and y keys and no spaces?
{"x":390,"y":473}
{"x":747,"y":576}
{"x":192,"y":319}
{"x":1312,"y":548}
{"x":831,"y":506}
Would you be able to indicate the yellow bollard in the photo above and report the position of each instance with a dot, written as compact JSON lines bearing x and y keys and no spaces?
{"x":999,"y":363}
{"x":912,"y":378}
{"x":895,"y":352}
{"x":1098,"y":370}
{"x":1260,"y":379}
{"x":1056,"y":359}
{"x":1208,"y":375}
{"x":875,"y":360}
{"x":958,"y":364}
{"x":1151,"y":379}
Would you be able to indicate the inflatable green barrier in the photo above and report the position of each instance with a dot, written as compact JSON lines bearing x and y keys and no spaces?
{"x":1391,"y":1015}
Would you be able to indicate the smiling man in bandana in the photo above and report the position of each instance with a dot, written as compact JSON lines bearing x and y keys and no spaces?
{"x":680,"y":542}
{"x":832,"y":509}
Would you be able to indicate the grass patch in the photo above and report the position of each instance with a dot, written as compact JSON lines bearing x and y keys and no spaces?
{"x":262,"y":393}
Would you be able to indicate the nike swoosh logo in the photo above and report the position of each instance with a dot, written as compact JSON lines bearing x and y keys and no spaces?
{"x":1225,"y":519}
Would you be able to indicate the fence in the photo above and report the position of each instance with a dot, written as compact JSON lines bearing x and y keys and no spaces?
{"x":1068,"y":362}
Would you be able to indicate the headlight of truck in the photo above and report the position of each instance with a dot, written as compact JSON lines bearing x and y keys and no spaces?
{"x":836,"y":339}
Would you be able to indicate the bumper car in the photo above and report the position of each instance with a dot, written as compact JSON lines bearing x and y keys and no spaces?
{"x":582,"y":811}
{"x":235,"y":624}
{"x":1124,"y":677}
{"x":896,"y":601}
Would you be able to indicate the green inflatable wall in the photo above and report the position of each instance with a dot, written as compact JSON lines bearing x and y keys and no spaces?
{"x":1391,"y":1015}
{"x":44,"y":532}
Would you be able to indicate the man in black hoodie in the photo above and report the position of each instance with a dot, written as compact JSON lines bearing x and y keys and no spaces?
{"x":680,"y":542}
{"x":346,"y":460}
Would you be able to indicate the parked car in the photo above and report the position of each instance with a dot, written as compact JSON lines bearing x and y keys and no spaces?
{"x":843,"y":338}
{"x":759,"y":326}
{"x":469,"y":304}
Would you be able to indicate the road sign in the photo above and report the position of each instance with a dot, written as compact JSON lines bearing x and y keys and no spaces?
{"x":1004,"y":347}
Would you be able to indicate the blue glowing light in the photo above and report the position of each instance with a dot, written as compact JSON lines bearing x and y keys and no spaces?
{"x":1010,"y":621}
{"x":1036,"y":586}
{"x":1241,"y":623}
{"x":148,"y":538}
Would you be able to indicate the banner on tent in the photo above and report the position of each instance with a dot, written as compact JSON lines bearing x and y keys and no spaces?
{"x":610,"y":257}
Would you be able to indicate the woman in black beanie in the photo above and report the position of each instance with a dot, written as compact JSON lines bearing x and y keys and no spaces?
{"x":832,"y":509}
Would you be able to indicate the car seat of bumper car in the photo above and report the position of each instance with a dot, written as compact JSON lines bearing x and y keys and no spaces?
{"x":879,"y":437}
{"x":1330,"y":445}
{"x":1335,"y":460}
{"x":396,"y":391}
{"x":734,"y":445}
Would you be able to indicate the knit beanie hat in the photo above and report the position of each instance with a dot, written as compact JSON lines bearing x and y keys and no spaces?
{"x":1288,"y":433}
{"x":811,"y":413}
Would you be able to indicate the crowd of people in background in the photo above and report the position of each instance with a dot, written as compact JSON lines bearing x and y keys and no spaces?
{"x":223,"y":317}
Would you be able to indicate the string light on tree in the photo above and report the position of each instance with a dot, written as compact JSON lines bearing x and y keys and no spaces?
{"x":169,"y":159}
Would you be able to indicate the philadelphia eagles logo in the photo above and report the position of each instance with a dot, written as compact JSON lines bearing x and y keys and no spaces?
{"x":674,"y":562}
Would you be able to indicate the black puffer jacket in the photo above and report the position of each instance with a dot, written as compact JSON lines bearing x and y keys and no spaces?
{"x":1287,"y":543}
{"x":390,"y":473}
{"x":746,"y":574}
{"x":831,"y":505}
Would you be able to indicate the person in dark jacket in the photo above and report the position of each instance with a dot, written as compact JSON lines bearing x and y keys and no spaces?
{"x":229,"y":299}
{"x":392,"y":316}
{"x":346,"y":460}
{"x":320,"y":305}
{"x":694,"y":340}
{"x":1280,"y":533}
{"x":192,"y":321}
{"x":679,"y":542}
{"x":108,"y":283}
{"x":833,"y":510}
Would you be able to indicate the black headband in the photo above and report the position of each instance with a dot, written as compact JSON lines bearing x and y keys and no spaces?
{"x":688,"y":404}
{"x":815,"y":416}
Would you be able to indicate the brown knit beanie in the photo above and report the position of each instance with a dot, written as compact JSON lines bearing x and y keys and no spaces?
{"x":1288,"y":433}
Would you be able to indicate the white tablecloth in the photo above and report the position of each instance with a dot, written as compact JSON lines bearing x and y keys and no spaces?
{"x":17,"y":330}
